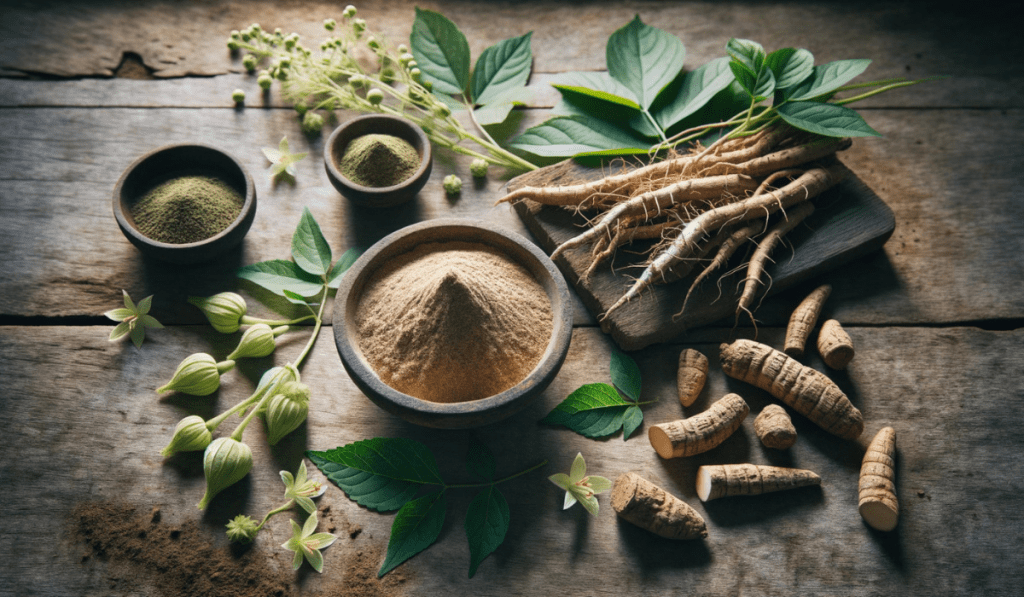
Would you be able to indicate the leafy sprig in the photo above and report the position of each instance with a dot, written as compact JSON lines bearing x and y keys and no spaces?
{"x":386,"y":474}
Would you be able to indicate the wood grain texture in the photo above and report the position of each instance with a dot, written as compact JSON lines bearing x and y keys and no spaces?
{"x":84,"y":424}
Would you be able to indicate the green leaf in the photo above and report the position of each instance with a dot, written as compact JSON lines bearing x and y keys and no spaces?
{"x":341,"y":266}
{"x":600,"y":102}
{"x":570,"y":136}
{"x":631,"y":420}
{"x":309,"y":247}
{"x":486,"y":525}
{"x":417,"y":525}
{"x":593,"y":410}
{"x":826,"y":119}
{"x":699,"y":86}
{"x":758,"y":85}
{"x":503,"y":67}
{"x":599,"y":86}
{"x":748,"y":53}
{"x":645,"y":59}
{"x":294,"y":298}
{"x":279,"y":275}
{"x":479,"y":460}
{"x":138,"y":334}
{"x":625,"y":374}
{"x":497,"y":110}
{"x":119,"y":314}
{"x":790,"y":66}
{"x":120,"y":331}
{"x":826,"y":78}
{"x":441,"y":51}
{"x":379,"y":473}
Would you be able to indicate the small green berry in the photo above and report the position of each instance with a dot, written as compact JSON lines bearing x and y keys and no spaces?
{"x":403,"y":49}
{"x":428,"y":85}
{"x":375,"y":96}
{"x":349,"y":12}
{"x":330,"y":24}
{"x":405,"y":58}
{"x":265,"y":81}
{"x":358,"y":25}
{"x":387,"y":75}
{"x":236,"y":34}
{"x":415,"y":74}
{"x":452,"y":184}
{"x":411,"y":64}
{"x":373,"y":43}
{"x":238,"y":96}
{"x":442,"y":111}
{"x":245,"y":36}
{"x":478,"y":168}
{"x":232,"y":44}
{"x":312,"y":123}
{"x":301,"y":108}
{"x":249,"y":62}
{"x":255,"y":28}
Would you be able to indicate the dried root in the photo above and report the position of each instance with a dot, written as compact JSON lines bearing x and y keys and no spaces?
{"x":693,"y":372}
{"x":803,"y":319}
{"x":724,"y":480}
{"x":774,"y":428}
{"x":651,"y":508}
{"x":877,"y":487}
{"x":835,"y":345}
{"x":699,"y":433}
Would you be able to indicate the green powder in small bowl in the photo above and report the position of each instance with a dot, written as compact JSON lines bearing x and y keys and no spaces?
{"x":377,"y":160}
{"x":187,"y":209}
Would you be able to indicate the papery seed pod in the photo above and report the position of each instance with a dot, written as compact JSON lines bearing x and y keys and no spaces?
{"x":257,"y":341}
{"x":242,"y":529}
{"x":286,"y":411}
{"x":224,"y":310}
{"x":225,"y":462}
{"x":190,"y":435}
{"x":199,"y":375}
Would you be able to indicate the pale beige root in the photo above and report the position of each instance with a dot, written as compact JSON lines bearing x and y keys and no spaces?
{"x":774,"y":428}
{"x":725,"y":480}
{"x":758,"y":261}
{"x":725,"y":251}
{"x":877,"y":487}
{"x":803,"y":320}
{"x":835,"y":345}
{"x":693,"y":372}
{"x":791,"y":157}
{"x":625,"y":233}
{"x":806,"y":390}
{"x":699,"y":433}
{"x":650,"y":507}
{"x":687,"y":243}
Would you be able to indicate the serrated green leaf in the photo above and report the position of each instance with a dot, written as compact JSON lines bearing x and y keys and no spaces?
{"x":631,"y":420}
{"x":379,"y":473}
{"x":441,"y":51}
{"x":645,"y":59}
{"x":569,"y":136}
{"x":698,"y":88}
{"x":279,"y":275}
{"x":480,"y":460}
{"x":625,"y":374}
{"x":486,"y":525}
{"x":748,"y":53}
{"x":498,"y":109}
{"x":826,"y":119}
{"x":790,"y":66}
{"x":341,"y":266}
{"x":758,"y":86}
{"x":600,"y":86}
{"x":826,"y":78}
{"x":593,"y":410}
{"x":309,"y":247}
{"x":503,"y":67}
{"x":417,"y":525}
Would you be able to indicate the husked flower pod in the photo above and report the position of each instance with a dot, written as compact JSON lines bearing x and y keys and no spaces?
{"x":286,"y":411}
{"x":225,"y":462}
{"x":198,"y":374}
{"x":224,"y":311}
{"x":257,"y":341}
{"x":190,"y":434}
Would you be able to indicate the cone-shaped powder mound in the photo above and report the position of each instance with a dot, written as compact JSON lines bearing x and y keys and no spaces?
{"x":379,"y":160}
{"x":187,"y":209}
{"x":453,"y":322}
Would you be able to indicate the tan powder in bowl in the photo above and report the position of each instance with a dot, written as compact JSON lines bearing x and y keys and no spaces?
{"x":453,"y":321}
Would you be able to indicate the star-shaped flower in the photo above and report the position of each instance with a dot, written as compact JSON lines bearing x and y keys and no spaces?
{"x":579,"y":487}
{"x":307,"y":544}
{"x":302,"y":489}
{"x":134,"y":319}
{"x":283,"y":161}
{"x":242,"y":529}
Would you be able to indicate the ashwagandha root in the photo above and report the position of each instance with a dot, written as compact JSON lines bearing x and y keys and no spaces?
{"x":774,"y":428}
{"x":725,"y":251}
{"x":835,"y":345}
{"x":803,"y":320}
{"x":605,"y":247}
{"x":877,"y":486}
{"x":724,"y":480}
{"x":651,"y":508}
{"x":693,"y":373}
{"x":789,"y":158}
{"x":808,"y":391}
{"x":699,"y":433}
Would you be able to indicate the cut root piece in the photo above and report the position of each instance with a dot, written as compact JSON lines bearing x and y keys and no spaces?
{"x":877,"y":486}
{"x":725,"y":480}
{"x":699,"y":433}
{"x":650,"y":507}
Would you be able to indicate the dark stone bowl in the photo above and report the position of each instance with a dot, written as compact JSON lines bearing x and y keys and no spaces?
{"x":381,"y":124}
{"x":460,"y":415}
{"x":172,"y":161}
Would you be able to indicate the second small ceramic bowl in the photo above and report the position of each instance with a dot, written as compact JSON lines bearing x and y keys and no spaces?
{"x":457,"y":415}
{"x":172,"y":161}
{"x":383,"y":124}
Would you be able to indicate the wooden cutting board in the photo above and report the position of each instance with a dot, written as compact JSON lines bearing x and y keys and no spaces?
{"x":850,"y":221}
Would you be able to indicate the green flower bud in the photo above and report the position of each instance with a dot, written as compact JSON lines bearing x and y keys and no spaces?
{"x":282,"y":74}
{"x":277,"y":32}
{"x":428,"y":85}
{"x":415,"y":73}
{"x":265,"y":81}
{"x":238,"y":96}
{"x":375,"y":96}
{"x":442,"y":111}
{"x":191,"y":434}
{"x":255,"y":28}
{"x":286,"y":411}
{"x":403,"y":49}
{"x":225,"y":462}
{"x":387,"y":75}
{"x":358,"y":25}
{"x":411,"y":64}
{"x":478,"y":168}
{"x":236,"y":34}
{"x":312,"y":123}
{"x":242,"y":529}
{"x":349,"y":12}
{"x":232,"y":44}
{"x":249,"y":62}
{"x":301,"y":108}
{"x":358,"y":81}
{"x":452,"y":184}
{"x":224,"y":310}
{"x":257,"y":341}
{"x":245,"y":36}
{"x":405,"y":58}
{"x":285,"y":63}
{"x":330,"y":24}
{"x":198,"y":374}
{"x":282,"y":374}
{"x":373,"y":43}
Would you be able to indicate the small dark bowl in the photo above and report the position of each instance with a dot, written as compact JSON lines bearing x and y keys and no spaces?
{"x":459,"y":415}
{"x":381,"y":124}
{"x":186,"y":159}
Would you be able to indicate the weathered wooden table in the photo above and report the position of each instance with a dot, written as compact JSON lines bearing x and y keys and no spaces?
{"x":935,"y":315}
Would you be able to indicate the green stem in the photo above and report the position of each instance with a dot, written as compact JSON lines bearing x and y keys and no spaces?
{"x":246,"y":320}
{"x":508,"y":478}
{"x":316,"y":329}
{"x":857,"y":98}
{"x":237,"y":434}
{"x":654,"y":123}
{"x":472,"y":117}
{"x":274,"y":512}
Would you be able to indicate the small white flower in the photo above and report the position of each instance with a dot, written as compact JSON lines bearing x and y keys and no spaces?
{"x":579,"y":487}
{"x":307,"y":544}
{"x":302,"y":489}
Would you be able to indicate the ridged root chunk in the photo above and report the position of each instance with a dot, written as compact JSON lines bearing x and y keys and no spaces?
{"x":774,"y":428}
{"x":650,"y":507}
{"x":693,"y":372}
{"x":835,"y":345}
{"x":806,"y":390}
{"x":724,"y":480}
{"x":699,"y":433}
{"x":803,"y":320}
{"x":878,"y":506}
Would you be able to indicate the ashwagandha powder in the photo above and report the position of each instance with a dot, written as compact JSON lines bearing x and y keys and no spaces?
{"x":453,"y":321}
